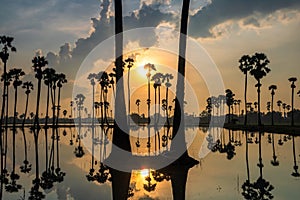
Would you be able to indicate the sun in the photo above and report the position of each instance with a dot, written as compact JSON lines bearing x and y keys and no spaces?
{"x":144,"y":172}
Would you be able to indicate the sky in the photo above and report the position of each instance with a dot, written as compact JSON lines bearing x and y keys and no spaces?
{"x":66,"y":32}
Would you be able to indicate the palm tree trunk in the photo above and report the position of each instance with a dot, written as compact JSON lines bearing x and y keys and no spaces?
{"x":1,"y":123}
{"x":245,"y":98}
{"x":272,"y":109}
{"x":36,"y":119}
{"x":14,"y":129}
{"x":120,"y":180}
{"x":178,"y":121}
{"x":120,"y":136}
{"x":26,"y":108}
{"x":58,"y":106}
{"x":258,"y":103}
{"x":292,"y":107}
{"x":47,"y":106}
{"x":167,"y":106}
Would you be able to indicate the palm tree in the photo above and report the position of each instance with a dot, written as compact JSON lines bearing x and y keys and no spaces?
{"x":229,"y":102}
{"x":293,"y":86}
{"x":245,"y":67}
{"x":272,"y":88}
{"x":260,"y":69}
{"x":129,"y":62}
{"x":279,"y":103}
{"x":157,"y":78}
{"x":167,"y":77}
{"x":61,"y":80}
{"x":120,"y":136}
{"x":137,"y":103}
{"x":28,"y":86}
{"x":274,"y":162}
{"x":295,"y":173}
{"x":6,"y":44}
{"x":178,"y":121}
{"x":149,"y":67}
{"x":15,"y":74}
{"x":92,"y":78}
{"x":38,"y":63}
{"x":284,"y":107}
{"x":48,"y":76}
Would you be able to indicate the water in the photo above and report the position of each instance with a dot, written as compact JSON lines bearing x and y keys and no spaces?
{"x":220,"y":174}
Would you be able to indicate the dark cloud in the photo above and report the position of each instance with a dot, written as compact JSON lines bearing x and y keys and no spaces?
{"x":222,"y":10}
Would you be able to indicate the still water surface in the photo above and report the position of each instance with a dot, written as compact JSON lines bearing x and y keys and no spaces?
{"x":221,"y":174}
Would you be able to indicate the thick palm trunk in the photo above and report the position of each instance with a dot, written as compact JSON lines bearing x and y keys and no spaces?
{"x":245,"y":99}
{"x":178,"y":144}
{"x":120,"y":180}
{"x":120,"y":138}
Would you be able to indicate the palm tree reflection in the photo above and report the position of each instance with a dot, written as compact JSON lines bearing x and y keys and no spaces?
{"x":261,"y":189}
{"x":295,"y":173}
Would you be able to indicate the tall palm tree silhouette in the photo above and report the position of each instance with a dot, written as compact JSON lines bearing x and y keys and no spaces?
{"x":61,"y":80}
{"x":92,"y":77}
{"x":28,"y":86}
{"x":79,"y":99}
{"x":48,"y":74}
{"x":149,"y":67}
{"x":260,"y":69}
{"x":15,"y":74}
{"x":272,"y":88}
{"x":178,"y":121}
{"x":293,"y":86}
{"x":6,"y":44}
{"x":157,"y":78}
{"x":166,"y":78}
{"x":39,"y":62}
{"x":245,"y":67}
{"x":129,"y":62}
{"x":120,"y":180}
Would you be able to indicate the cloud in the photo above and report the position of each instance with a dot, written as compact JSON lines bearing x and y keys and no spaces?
{"x":220,"y":11}
{"x":149,"y":15}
